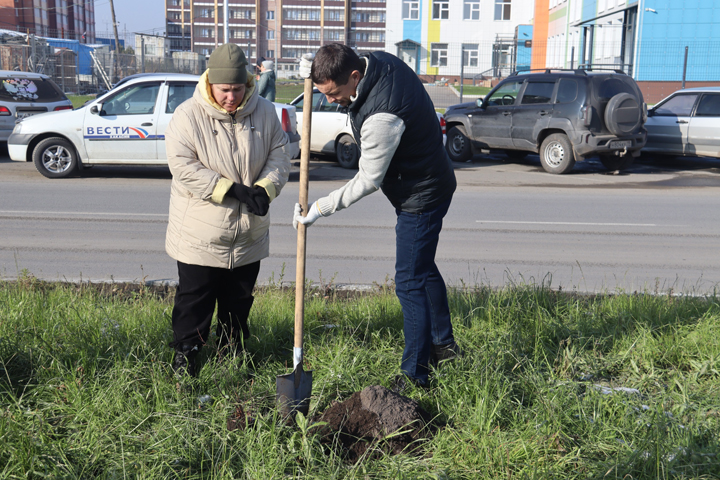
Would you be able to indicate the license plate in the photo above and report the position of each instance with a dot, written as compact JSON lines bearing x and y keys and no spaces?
{"x":621,"y":144}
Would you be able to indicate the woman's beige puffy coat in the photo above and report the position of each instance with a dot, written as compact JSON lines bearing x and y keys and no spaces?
{"x":204,"y":147}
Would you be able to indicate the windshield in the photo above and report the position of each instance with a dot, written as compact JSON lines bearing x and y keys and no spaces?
{"x":13,"y":89}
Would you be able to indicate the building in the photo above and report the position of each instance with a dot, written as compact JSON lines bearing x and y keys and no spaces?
{"x":277,"y":30}
{"x":68,"y":19}
{"x":647,"y":39}
{"x":439,"y":37}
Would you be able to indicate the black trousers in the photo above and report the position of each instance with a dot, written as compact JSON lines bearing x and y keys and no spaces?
{"x":200,"y":288}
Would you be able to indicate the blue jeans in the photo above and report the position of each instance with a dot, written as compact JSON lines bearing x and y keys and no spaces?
{"x":421,"y":289}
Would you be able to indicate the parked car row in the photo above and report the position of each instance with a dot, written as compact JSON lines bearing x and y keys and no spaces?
{"x":565,"y":116}
{"x":126,"y":126}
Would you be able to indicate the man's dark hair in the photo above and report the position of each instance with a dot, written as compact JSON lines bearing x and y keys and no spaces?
{"x":335,"y":62}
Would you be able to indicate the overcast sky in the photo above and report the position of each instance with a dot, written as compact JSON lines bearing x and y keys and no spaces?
{"x":145,"y":16}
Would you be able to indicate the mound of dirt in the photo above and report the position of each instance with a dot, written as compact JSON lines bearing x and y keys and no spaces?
{"x":375,"y":418}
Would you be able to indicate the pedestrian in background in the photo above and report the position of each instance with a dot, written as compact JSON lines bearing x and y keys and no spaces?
{"x":266,"y":84}
{"x":400,"y":139}
{"x":227,"y":155}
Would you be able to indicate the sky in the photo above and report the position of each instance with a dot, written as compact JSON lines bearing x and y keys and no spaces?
{"x":144,"y":16}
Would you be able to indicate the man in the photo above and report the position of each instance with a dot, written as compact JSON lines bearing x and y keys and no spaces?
{"x":266,"y":83}
{"x":396,"y":128}
{"x":226,"y":152}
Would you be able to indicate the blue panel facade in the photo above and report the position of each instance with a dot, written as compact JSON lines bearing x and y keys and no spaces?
{"x":666,"y":27}
{"x":589,"y":9}
{"x":524,"y":54}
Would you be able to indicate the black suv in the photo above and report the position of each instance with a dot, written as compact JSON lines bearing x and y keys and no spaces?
{"x":563,"y":115}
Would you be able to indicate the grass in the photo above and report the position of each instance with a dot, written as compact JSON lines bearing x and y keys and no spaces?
{"x":79,"y":100}
{"x":470,"y":90}
{"x":86,"y":390}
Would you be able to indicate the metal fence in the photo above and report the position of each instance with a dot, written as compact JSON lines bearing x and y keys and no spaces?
{"x":659,"y":68}
{"x":102,"y":68}
{"x":452,"y":72}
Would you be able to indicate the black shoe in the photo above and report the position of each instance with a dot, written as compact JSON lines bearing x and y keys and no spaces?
{"x":185,"y":361}
{"x":444,"y":353}
{"x":402,"y":383}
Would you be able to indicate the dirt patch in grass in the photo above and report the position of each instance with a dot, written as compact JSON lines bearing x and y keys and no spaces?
{"x":374,"y":422}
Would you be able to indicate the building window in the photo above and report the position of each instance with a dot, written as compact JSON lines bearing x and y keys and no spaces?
{"x":438,"y":54}
{"x":471,"y":10}
{"x":470,"y":55}
{"x":502,"y":9}
{"x":270,"y":35}
{"x":270,"y":54}
{"x":207,"y":32}
{"x":302,"y":14}
{"x":441,"y":9}
{"x":367,"y":17}
{"x":207,"y":13}
{"x":334,"y":16}
{"x":333,"y":35}
{"x":270,"y":15}
{"x":411,"y":10}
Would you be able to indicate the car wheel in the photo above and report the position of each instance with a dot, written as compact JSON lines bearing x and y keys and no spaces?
{"x":55,"y":157}
{"x":516,"y":154}
{"x":458,"y":145}
{"x":556,"y":154}
{"x":346,"y":152}
{"x":613,"y":162}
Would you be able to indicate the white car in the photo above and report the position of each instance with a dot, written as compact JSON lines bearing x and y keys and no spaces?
{"x":331,"y":132}
{"x":126,"y":126}
{"x":686,"y":123}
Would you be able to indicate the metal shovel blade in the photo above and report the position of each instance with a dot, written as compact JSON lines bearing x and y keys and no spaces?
{"x":293,"y":392}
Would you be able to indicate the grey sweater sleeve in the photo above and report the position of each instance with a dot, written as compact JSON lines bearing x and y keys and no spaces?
{"x":380,"y":135}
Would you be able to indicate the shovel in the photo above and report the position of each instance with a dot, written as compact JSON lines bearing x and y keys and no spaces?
{"x":294,"y":389}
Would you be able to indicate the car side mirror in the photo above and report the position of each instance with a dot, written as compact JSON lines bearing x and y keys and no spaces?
{"x":96,"y":109}
{"x":479,"y":102}
{"x":650,"y":113}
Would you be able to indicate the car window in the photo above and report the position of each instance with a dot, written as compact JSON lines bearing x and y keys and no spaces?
{"x":709,"y":106}
{"x":136,"y":99}
{"x":677,"y":106}
{"x":317,"y":98}
{"x":567,"y":91}
{"x":537,"y":92}
{"x":13,"y":89}
{"x":326,"y":106}
{"x":608,"y":87}
{"x":506,"y":94}
{"x":177,"y":94}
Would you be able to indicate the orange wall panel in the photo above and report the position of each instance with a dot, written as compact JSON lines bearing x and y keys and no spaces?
{"x":540,"y":34}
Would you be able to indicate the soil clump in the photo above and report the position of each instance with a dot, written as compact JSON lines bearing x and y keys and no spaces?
{"x":375,"y":419}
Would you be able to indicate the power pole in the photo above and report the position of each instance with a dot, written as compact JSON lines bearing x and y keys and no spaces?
{"x":117,"y":40}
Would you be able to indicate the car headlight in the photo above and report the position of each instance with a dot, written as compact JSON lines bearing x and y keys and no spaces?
{"x":18,"y":128}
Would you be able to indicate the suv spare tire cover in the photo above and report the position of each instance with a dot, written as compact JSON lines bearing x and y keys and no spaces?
{"x":623,"y":114}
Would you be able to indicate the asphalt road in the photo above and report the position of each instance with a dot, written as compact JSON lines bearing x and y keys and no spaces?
{"x":652,"y":228}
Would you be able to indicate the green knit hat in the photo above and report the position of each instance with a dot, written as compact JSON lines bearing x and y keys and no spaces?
{"x":227,"y":65}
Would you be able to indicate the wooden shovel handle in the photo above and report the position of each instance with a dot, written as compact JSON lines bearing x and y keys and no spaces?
{"x":302,"y":230}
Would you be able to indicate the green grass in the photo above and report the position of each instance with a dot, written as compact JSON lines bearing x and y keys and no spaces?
{"x":470,"y":90}
{"x":286,"y":93}
{"x":86,"y":390}
{"x":79,"y":100}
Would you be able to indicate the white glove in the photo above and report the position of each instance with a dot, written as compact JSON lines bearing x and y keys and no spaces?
{"x":313,"y":214}
{"x":306,"y":64}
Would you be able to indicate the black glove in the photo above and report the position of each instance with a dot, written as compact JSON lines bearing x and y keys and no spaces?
{"x":255,"y":198}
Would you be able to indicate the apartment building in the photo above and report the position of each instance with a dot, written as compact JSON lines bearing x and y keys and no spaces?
{"x":67,"y":19}
{"x":441,"y":38}
{"x":281,"y":30}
